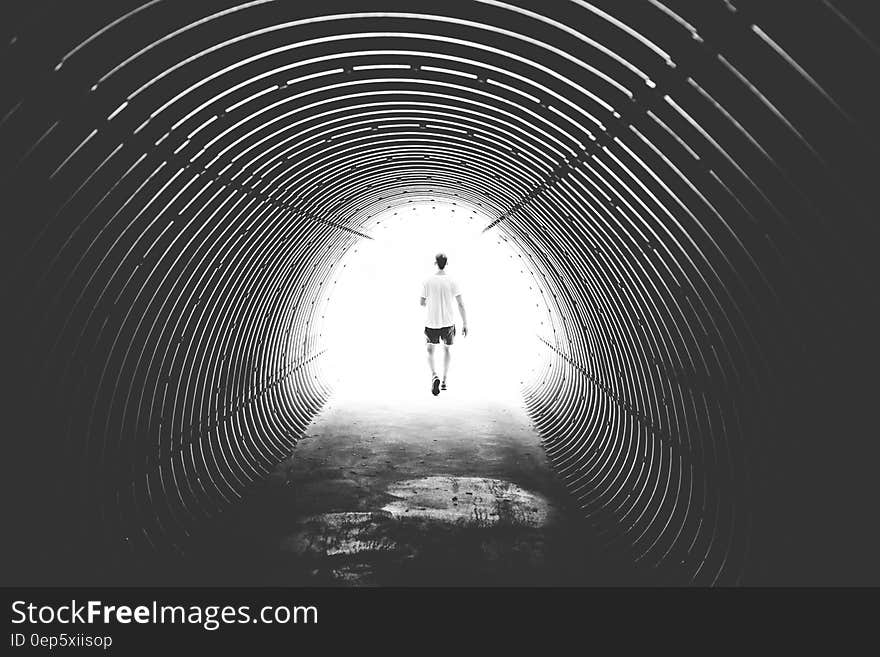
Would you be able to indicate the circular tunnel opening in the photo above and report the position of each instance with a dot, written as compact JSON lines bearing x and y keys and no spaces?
{"x":373,"y":324}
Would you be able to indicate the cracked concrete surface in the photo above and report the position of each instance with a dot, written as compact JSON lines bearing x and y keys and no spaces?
{"x":420,"y":491}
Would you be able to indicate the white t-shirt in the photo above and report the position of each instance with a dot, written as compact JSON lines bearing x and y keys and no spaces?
{"x":440,"y":291}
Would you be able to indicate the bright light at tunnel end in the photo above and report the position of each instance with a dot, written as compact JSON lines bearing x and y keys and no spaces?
{"x":373,"y":327}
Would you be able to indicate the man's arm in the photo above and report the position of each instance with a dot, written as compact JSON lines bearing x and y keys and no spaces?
{"x":464,"y":329}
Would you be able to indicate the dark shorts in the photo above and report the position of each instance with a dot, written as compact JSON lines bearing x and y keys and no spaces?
{"x":433,"y":335}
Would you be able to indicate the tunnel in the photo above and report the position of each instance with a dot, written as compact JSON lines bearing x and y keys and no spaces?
{"x":688,"y":188}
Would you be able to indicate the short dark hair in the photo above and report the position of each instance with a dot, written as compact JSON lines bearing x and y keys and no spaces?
{"x":440,"y":259}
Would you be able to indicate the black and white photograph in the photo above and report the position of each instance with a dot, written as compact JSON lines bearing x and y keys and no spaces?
{"x":357,"y":309}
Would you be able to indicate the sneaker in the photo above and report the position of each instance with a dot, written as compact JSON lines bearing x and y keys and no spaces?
{"x":443,"y":385}
{"x":435,"y":385}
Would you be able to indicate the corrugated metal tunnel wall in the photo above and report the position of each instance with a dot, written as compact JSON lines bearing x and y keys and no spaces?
{"x":692,"y":186}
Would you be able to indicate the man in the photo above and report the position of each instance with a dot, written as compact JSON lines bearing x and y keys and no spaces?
{"x":438,"y":291}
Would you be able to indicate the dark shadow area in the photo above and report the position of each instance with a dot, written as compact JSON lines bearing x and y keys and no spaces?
{"x":421,"y":494}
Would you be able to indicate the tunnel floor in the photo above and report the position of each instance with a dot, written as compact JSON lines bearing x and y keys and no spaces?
{"x":420,"y":491}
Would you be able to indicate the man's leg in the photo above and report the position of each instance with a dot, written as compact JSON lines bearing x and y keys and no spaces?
{"x":431,"y":359}
{"x":448,"y":338}
{"x":435,"y":380}
{"x":447,"y":356}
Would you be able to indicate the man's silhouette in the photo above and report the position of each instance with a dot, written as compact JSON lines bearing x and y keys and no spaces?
{"x":438,"y":292}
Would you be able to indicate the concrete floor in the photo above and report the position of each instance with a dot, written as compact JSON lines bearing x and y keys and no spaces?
{"x":420,"y":490}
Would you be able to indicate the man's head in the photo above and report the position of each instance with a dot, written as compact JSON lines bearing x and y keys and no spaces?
{"x":440,"y":259}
